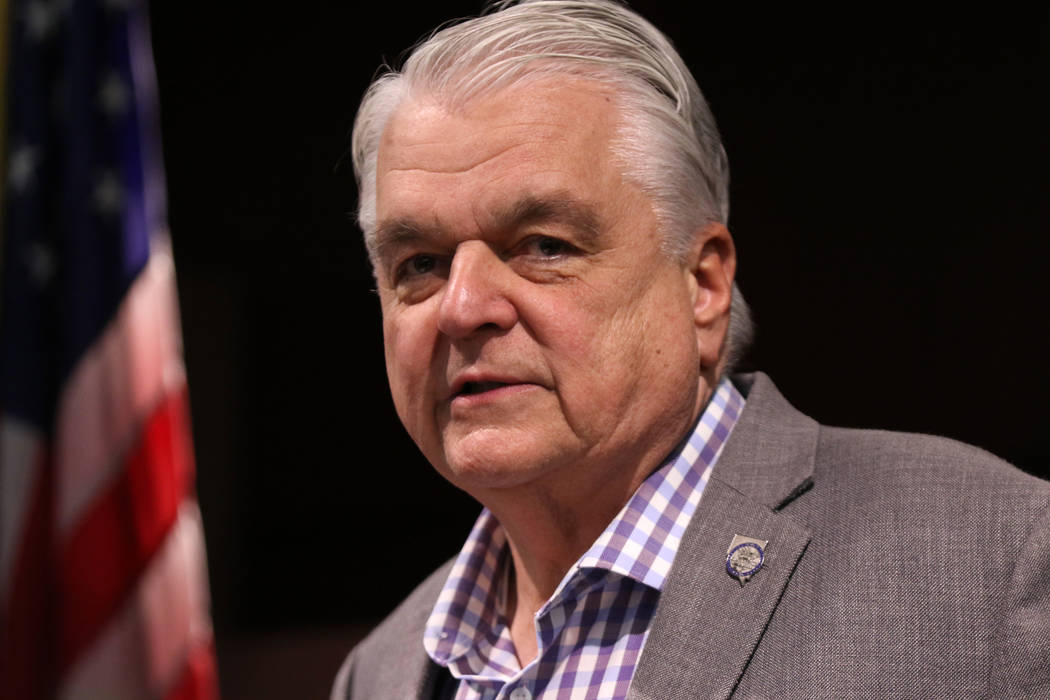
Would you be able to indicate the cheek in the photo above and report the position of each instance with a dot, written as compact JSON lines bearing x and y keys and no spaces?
{"x":406,"y":347}
{"x":648,"y":345}
{"x":594,"y":347}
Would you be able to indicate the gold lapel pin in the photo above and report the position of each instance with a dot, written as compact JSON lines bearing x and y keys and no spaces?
{"x":744,"y":557}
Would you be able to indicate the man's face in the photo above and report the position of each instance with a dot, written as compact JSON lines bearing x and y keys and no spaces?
{"x":534,"y":332}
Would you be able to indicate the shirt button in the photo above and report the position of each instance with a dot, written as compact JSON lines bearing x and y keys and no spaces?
{"x":520,"y":694}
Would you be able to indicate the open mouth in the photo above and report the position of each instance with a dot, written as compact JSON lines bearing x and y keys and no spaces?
{"x":470,"y":388}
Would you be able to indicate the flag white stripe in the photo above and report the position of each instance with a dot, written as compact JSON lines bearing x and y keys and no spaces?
{"x":142,"y":651}
{"x":110,"y":393}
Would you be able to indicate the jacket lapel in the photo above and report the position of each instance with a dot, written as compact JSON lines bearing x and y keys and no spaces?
{"x":707,"y":624}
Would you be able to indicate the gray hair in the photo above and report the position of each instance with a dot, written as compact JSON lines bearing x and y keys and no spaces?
{"x":668,"y":143}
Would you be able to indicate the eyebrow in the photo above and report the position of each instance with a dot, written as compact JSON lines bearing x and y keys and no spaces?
{"x":556,"y":207}
{"x":391,"y":235}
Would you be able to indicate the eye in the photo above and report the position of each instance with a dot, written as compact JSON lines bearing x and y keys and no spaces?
{"x":417,"y":265}
{"x":547,"y":247}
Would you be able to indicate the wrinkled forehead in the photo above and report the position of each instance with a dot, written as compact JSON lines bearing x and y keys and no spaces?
{"x":549,"y":134}
{"x":561,"y":109}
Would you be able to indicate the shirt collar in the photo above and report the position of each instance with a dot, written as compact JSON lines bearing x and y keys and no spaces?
{"x":640,"y":542}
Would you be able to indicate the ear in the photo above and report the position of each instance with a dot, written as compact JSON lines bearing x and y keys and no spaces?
{"x":711,"y":266}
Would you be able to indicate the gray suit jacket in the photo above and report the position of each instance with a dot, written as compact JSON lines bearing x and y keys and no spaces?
{"x":897,"y":566}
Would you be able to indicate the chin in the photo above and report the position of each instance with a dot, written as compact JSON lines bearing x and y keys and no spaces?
{"x":491,"y":459}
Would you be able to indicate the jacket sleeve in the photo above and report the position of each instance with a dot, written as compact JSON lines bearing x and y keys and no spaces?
{"x":1021,"y":656}
{"x":342,"y":684}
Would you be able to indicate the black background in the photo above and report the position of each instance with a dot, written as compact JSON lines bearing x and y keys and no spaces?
{"x":889,"y":205}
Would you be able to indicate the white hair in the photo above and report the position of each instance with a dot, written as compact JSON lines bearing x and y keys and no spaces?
{"x":667,"y":142}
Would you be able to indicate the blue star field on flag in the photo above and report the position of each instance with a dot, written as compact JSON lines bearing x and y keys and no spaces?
{"x":83,"y":190}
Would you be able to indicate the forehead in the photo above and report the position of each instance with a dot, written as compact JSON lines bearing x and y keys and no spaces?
{"x":569,"y":105}
{"x":552,"y":134}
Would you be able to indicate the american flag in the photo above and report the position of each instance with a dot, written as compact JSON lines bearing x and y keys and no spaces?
{"x":103,"y":588}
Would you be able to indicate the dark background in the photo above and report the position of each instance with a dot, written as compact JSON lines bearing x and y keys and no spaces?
{"x":889,"y":205}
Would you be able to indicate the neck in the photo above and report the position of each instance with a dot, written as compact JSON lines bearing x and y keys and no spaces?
{"x":548,"y":532}
{"x":543,"y":547}
{"x":551,"y":524}
{"x":547,"y":536}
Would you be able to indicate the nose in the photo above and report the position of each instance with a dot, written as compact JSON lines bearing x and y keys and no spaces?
{"x":475,"y":294}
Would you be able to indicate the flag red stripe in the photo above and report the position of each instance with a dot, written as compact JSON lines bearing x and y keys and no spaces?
{"x":199,"y":680}
{"x":26,"y":653}
{"x":112,"y":545}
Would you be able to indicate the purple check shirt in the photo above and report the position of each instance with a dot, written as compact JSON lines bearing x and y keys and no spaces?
{"x":591,"y":632}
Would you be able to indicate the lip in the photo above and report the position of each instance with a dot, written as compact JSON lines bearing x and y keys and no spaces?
{"x":483,"y":398}
{"x":506,"y":385}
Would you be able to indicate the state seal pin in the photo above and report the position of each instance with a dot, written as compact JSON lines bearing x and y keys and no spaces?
{"x":744,"y":557}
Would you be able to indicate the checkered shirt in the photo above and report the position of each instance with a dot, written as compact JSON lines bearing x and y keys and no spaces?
{"x":591,"y":632}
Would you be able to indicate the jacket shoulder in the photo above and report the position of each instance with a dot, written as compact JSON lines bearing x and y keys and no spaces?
{"x":931,"y":463}
{"x":921,"y":548}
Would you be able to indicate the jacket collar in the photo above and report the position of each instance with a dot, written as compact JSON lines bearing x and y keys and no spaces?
{"x":771,"y":453}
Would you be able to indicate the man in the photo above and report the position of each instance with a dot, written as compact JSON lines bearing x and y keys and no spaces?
{"x":544,"y":197}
